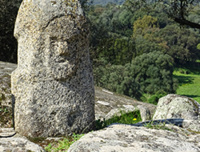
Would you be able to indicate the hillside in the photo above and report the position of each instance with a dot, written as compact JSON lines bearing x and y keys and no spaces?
{"x":104,"y":2}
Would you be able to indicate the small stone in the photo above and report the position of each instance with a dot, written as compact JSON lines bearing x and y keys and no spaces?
{"x":144,"y":112}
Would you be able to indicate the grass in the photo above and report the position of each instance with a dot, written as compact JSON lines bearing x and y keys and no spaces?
{"x":157,"y":126}
{"x":125,"y":118}
{"x":5,"y":117}
{"x":63,"y":145}
{"x":189,"y":84}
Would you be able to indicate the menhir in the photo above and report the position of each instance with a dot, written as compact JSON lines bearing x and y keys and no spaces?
{"x":53,"y":83}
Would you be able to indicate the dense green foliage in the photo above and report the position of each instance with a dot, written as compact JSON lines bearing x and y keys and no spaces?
{"x":105,"y":2}
{"x":148,"y":73}
{"x":8,"y":13}
{"x":135,"y":50}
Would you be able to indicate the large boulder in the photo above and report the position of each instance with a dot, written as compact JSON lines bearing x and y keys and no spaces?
{"x":176,"y":106}
{"x":53,"y":83}
{"x":128,"y":138}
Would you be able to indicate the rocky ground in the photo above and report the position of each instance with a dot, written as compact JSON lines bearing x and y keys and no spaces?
{"x":5,"y":94}
{"x":126,"y":137}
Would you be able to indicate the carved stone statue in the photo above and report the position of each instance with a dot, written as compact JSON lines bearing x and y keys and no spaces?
{"x":53,"y":83}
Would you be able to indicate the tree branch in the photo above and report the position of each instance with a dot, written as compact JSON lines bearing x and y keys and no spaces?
{"x":186,"y":22}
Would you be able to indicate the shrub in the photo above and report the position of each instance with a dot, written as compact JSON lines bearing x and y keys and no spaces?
{"x":154,"y":98}
{"x":124,"y":118}
{"x":153,"y":72}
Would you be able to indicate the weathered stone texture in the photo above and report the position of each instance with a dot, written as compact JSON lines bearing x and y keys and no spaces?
{"x":109,"y":104}
{"x":127,"y":138}
{"x":53,"y":83}
{"x":16,"y":144}
{"x":176,"y":106}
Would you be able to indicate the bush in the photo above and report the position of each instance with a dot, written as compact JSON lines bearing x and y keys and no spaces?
{"x":116,"y":78}
{"x":149,"y":73}
{"x":154,"y":98}
{"x":153,"y":72}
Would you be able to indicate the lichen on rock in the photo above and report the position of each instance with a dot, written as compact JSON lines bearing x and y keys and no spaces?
{"x":53,"y":83}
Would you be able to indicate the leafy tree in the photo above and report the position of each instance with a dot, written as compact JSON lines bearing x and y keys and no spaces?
{"x":146,"y":22}
{"x":143,"y":45}
{"x":178,"y":10}
{"x":148,"y":73}
{"x":144,"y":34}
{"x":117,"y":50}
{"x":116,"y":78}
{"x":198,"y":46}
{"x":154,"y":72}
{"x":181,"y":43}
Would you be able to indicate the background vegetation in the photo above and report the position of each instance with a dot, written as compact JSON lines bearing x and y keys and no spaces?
{"x":136,"y":48}
{"x":135,"y":45}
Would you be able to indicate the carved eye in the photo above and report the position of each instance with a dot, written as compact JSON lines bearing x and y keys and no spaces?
{"x":59,"y":47}
{"x":63,"y":49}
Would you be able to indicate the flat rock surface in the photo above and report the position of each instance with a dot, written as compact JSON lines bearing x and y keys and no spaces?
{"x":107,"y":103}
{"x":16,"y":143}
{"x":128,"y":138}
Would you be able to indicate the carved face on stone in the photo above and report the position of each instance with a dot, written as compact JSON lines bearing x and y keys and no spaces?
{"x":64,"y":47}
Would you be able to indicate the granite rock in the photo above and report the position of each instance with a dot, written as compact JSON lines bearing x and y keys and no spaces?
{"x":53,"y":82}
{"x":16,"y":144}
{"x":129,"y":138}
{"x":105,"y":101}
{"x":109,"y":104}
{"x":176,"y":106}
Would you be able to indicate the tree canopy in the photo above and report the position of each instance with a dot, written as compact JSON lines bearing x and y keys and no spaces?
{"x":178,"y":10}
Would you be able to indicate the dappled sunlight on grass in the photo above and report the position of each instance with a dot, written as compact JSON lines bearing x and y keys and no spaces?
{"x":189,"y":85}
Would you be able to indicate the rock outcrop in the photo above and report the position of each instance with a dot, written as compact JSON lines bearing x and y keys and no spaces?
{"x":53,"y":83}
{"x":109,"y":104}
{"x":176,"y":106}
{"x":16,"y":144}
{"x":128,"y":138}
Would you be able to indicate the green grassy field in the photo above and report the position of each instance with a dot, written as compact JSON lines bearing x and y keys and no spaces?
{"x":189,"y":84}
